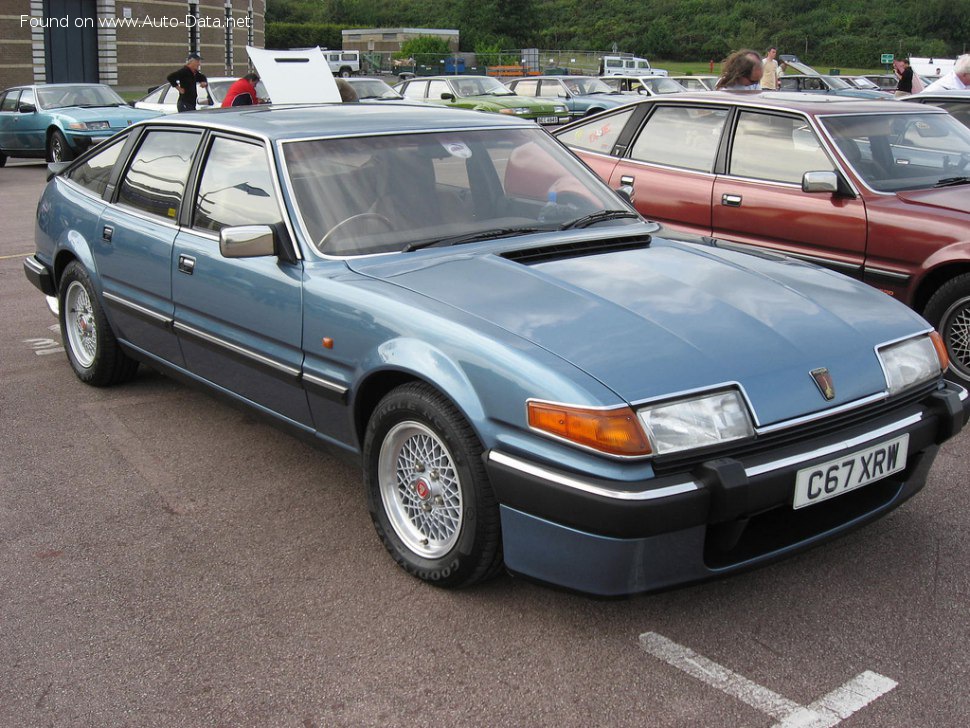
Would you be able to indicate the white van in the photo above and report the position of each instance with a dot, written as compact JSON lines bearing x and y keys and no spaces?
{"x":629,"y":66}
{"x":343,"y":63}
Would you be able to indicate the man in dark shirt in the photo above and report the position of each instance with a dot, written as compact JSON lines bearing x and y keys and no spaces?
{"x":186,"y":79}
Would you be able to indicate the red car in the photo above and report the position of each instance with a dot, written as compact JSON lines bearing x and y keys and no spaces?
{"x":877,"y":190}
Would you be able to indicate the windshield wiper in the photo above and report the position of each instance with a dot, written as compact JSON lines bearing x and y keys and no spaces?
{"x":952,"y":181}
{"x":471,"y":237}
{"x":601,"y":216}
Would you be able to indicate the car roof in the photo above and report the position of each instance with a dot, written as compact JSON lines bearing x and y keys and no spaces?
{"x":813,"y":104}
{"x":952,"y":93}
{"x":54,"y":85}
{"x":300,"y":121}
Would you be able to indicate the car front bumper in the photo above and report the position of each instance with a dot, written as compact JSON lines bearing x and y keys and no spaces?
{"x":713,"y":518}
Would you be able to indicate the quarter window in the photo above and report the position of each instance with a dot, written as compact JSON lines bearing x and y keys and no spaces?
{"x":155,"y":180}
{"x":776,"y":148}
{"x":94,"y":173}
{"x":681,"y":136}
{"x":9,"y":102}
{"x":236,"y":187}
{"x":600,"y":135}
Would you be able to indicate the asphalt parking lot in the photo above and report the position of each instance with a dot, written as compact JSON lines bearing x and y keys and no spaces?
{"x":168,"y":560}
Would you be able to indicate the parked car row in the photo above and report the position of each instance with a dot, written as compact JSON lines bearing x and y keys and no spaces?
{"x":532,"y":377}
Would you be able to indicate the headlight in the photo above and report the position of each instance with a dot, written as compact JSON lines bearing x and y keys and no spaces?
{"x":517,"y":112}
{"x":709,"y":419}
{"x":913,"y":361}
{"x":560,"y":109}
{"x":89,"y":125}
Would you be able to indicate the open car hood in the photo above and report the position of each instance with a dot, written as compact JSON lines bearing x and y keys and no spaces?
{"x":669,"y":317}
{"x":295,"y":77}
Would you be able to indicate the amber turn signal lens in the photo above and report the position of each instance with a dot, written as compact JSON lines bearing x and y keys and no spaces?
{"x":941,"y":350}
{"x":615,"y":431}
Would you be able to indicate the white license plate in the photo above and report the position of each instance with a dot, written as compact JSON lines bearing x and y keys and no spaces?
{"x":548,"y":119}
{"x":835,"y":477}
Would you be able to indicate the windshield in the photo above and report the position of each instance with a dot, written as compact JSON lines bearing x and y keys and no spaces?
{"x":836,"y":83}
{"x":580,"y":86}
{"x":479,"y":86}
{"x":663,"y":85}
{"x":366,"y":195}
{"x":59,"y":97}
{"x":861,"y":82}
{"x":894,"y":151}
{"x":217,"y":90}
{"x":374,"y":88}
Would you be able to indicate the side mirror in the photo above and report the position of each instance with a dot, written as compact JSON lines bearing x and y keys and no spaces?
{"x":27,"y":108}
{"x":447,"y":96}
{"x":626,"y":192}
{"x":820,"y":182}
{"x":247,"y":241}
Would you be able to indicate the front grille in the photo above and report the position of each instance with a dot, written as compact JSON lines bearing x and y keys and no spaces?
{"x":678,"y":462}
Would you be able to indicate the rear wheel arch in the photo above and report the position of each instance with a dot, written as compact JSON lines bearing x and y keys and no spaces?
{"x":63,"y":259}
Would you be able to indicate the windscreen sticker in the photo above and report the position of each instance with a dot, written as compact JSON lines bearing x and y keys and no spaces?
{"x":457,"y":149}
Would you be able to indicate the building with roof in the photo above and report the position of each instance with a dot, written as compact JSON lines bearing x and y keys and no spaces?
{"x":124,"y":43}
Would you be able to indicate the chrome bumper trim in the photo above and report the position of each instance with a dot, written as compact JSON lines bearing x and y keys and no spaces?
{"x":835,"y":448}
{"x":577,"y":484}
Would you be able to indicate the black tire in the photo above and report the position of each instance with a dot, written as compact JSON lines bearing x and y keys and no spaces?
{"x":345,"y":72}
{"x":591,"y":112}
{"x":949,"y":311}
{"x":3,"y":159}
{"x":450,"y":505}
{"x":92,"y":348}
{"x":58,"y":150}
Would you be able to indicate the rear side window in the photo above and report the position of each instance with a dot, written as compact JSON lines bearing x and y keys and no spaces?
{"x":94,"y":173}
{"x":526,"y":88}
{"x":681,"y":136}
{"x":155,"y":179}
{"x":236,"y":187}
{"x":598,"y":136}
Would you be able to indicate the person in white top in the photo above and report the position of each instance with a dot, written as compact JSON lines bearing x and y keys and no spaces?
{"x":769,"y":77}
{"x":957,"y":79}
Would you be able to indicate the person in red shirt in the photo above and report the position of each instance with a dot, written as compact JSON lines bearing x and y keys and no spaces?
{"x":242,"y":92}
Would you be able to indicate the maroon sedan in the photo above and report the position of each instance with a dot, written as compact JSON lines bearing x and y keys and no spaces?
{"x":878,"y":190}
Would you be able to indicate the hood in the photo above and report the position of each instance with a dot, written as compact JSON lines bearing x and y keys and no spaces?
{"x":512,"y":101}
{"x":651,"y":320}
{"x":117,"y":116}
{"x":946,"y":198}
{"x":295,"y":77}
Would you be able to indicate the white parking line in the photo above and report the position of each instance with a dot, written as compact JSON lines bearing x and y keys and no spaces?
{"x":827,"y":711}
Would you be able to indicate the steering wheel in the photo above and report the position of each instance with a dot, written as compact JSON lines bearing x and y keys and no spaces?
{"x":361,"y":219}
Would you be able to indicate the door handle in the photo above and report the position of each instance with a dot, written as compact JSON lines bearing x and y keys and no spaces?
{"x":186,"y":264}
{"x":107,"y":232}
{"x":731,"y":200}
{"x":627,"y":180}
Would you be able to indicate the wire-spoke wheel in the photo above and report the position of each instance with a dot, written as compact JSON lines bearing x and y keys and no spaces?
{"x":58,"y":150}
{"x":420,"y":489}
{"x":92,"y":348}
{"x":428,"y":492}
{"x":949,"y":311}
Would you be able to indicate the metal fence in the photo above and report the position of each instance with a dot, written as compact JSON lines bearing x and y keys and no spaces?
{"x":517,"y":62}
